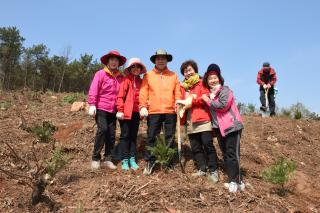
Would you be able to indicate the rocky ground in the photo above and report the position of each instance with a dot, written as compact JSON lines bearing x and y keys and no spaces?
{"x":76,"y":188}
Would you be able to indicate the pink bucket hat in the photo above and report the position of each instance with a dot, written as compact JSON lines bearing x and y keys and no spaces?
{"x":133,"y":61}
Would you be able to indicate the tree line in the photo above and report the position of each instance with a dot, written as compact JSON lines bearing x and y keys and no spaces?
{"x":33,"y":68}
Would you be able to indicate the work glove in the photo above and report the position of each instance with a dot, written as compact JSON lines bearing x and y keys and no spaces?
{"x":92,"y":110}
{"x":212,"y":95}
{"x":183,"y":102}
{"x":268,"y":86}
{"x":120,"y":115}
{"x":265,"y":86}
{"x":144,"y":112}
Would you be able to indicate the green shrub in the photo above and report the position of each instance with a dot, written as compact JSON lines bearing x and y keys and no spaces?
{"x":44,"y":131}
{"x":57,"y":162}
{"x":251,"y":108}
{"x":297,"y":114}
{"x":70,"y":99}
{"x":286,"y":112}
{"x":162,"y":152}
{"x":4,"y":105}
{"x":279,"y":173}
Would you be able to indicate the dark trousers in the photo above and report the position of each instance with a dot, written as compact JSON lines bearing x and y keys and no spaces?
{"x":155,"y":123}
{"x":230,"y":147}
{"x":105,"y":136}
{"x":128,"y":136}
{"x":272,"y":105}
{"x":203,"y":150}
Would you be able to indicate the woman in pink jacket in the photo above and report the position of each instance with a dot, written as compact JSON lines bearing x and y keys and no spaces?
{"x":102,"y":99}
{"x":226,"y":122}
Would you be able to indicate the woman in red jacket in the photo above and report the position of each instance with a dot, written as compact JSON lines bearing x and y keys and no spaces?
{"x":128,"y":113}
{"x":198,"y":122}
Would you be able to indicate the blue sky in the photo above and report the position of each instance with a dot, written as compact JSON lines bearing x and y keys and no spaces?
{"x":237,"y":35}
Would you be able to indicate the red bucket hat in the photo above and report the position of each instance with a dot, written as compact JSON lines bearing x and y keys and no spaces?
{"x":113,"y":53}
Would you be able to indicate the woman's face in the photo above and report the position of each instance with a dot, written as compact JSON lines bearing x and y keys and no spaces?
{"x":135,"y":69}
{"x":188,"y":72}
{"x":213,"y":80}
{"x":113,"y":63}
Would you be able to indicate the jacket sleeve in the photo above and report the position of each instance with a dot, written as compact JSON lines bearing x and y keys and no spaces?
{"x":199,"y":101}
{"x":259,"y":81}
{"x":274,"y":79}
{"x":144,"y":92}
{"x":94,"y":89}
{"x":121,"y":95}
{"x":224,"y":101}
{"x":177,"y":90}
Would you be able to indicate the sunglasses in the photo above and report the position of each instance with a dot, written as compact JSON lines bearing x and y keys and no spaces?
{"x":136,"y":66}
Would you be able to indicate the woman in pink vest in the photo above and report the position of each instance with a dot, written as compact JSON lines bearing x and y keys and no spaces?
{"x":226,"y":122}
{"x":102,"y":99}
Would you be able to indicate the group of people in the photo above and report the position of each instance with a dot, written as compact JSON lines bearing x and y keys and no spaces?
{"x":208,"y":109}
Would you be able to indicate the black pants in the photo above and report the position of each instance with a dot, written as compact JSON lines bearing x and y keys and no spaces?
{"x":155,"y":123}
{"x":128,"y":136}
{"x":105,"y":136}
{"x":272,"y":104}
{"x":203,"y":150}
{"x":230,"y":147}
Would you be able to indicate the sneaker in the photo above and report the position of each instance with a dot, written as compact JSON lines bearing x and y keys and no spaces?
{"x":125,"y":165}
{"x":133,"y":163}
{"x":241,"y":186}
{"x":199,"y":173}
{"x":148,"y":169}
{"x":232,"y":186}
{"x":214,"y":176}
{"x":109,"y":164}
{"x":263,"y":108}
{"x":95,"y":164}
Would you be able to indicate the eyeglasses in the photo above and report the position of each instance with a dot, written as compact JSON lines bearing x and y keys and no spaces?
{"x":135,"y":66}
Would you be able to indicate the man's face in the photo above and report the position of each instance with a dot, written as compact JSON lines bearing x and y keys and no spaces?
{"x":161,"y":62}
{"x":113,"y":63}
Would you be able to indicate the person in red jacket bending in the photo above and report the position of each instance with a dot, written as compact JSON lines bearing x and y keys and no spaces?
{"x":128,"y":113}
{"x":267,"y":79}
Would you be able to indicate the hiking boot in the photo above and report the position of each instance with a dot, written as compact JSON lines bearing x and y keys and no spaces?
{"x":95,"y":164}
{"x":232,"y":186}
{"x":263,"y":108}
{"x":148,"y":169}
{"x":214,"y":176}
{"x":199,"y":173}
{"x":109,"y":164}
{"x":125,"y":165}
{"x":133,"y":163}
{"x":272,"y":114}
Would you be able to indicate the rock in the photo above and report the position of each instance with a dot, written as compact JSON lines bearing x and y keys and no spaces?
{"x":272,"y":139}
{"x":77,"y":106}
{"x":54,"y":97}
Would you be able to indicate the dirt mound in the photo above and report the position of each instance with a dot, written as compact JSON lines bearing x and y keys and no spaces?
{"x":78,"y":188}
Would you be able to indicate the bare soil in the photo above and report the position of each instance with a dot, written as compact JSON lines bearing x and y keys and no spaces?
{"x":77,"y":188}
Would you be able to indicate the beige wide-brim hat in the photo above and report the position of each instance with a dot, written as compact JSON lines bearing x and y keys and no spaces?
{"x":161,"y":52}
{"x":133,"y":61}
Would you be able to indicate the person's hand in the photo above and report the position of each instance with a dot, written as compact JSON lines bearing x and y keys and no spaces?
{"x":212,"y":96}
{"x":144,"y":112}
{"x":92,"y":110}
{"x":268,"y":86}
{"x":120,"y":115}
{"x":205,"y":97}
{"x":265,"y":86}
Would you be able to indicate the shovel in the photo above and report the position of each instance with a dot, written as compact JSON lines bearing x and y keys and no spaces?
{"x":179,"y":138}
{"x":267,"y":112}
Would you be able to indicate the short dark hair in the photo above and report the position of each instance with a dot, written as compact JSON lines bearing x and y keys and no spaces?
{"x":205,"y":79}
{"x":187,"y":63}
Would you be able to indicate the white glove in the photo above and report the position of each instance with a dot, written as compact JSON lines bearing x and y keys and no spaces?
{"x":183,"y":102}
{"x":144,"y":112}
{"x":120,"y":115}
{"x":212,"y":95}
{"x":265,"y":86}
{"x":92,"y":110}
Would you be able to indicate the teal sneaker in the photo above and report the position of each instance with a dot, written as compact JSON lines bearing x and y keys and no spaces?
{"x":125,"y":165}
{"x":133,"y":163}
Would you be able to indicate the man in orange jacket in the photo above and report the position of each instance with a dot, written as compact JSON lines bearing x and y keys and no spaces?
{"x":159,"y":91}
